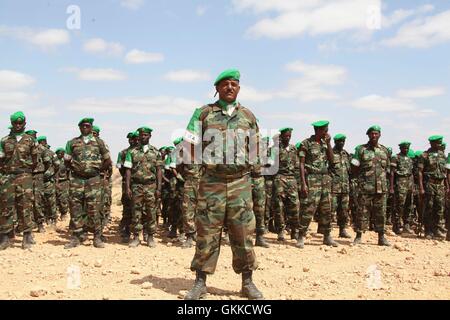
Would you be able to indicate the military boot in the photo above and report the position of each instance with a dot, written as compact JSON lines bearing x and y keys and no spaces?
{"x":260,"y":241}
{"x":27,"y":240}
{"x":32,"y":239}
{"x":172,"y":233}
{"x":358,"y":239}
{"x":74,"y":242}
{"x":150,"y":241}
{"x":448,"y":236}
{"x":41,"y":228}
{"x":328,"y":240}
{"x":294,"y":234}
{"x":4,"y":241}
{"x":135,"y":242}
{"x":281,"y":236}
{"x":407,"y":229}
{"x":382,"y":241}
{"x":343,"y":233}
{"x":199,"y":288}
{"x":249,"y":290}
{"x":189,"y":242}
{"x":98,"y":243}
{"x":12,"y":234}
{"x":438,"y":235}
{"x":300,"y":242}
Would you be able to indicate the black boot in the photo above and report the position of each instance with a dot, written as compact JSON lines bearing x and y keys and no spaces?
{"x":135,"y":242}
{"x":343,"y":233}
{"x":41,"y":228}
{"x":4,"y":241}
{"x":328,"y":240}
{"x":260,"y":241}
{"x":27,"y":240}
{"x":407,"y":229}
{"x":438,"y":235}
{"x":74,"y":242}
{"x":382,"y":241}
{"x":358,"y":239}
{"x":150,"y":241}
{"x":300,"y":242}
{"x":199,"y":288}
{"x":249,"y":290}
{"x":98,"y":243}
{"x":189,"y":241}
{"x":281,"y":236}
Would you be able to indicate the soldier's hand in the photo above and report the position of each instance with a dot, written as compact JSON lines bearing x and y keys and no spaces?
{"x":327,"y":138}
{"x":158,"y":194}
{"x":421,"y":192}
{"x":129,"y":194}
{"x":305,"y":191}
{"x":391,"y":191}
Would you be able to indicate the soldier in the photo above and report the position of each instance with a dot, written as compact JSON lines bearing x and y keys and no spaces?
{"x":62,"y":185}
{"x":189,"y":176}
{"x":225,"y":195}
{"x":447,"y":219}
{"x":402,"y":179}
{"x":18,"y":158}
{"x":341,"y":184}
{"x":390,"y":209}
{"x":268,"y":181}
{"x":432,"y":186}
{"x":49,"y":199}
{"x":165,"y":156}
{"x":143,"y":180}
{"x":316,"y":154}
{"x":370,"y":163}
{"x":86,"y":156}
{"x":175,"y":191}
{"x":127,"y":204}
{"x":285,"y":188}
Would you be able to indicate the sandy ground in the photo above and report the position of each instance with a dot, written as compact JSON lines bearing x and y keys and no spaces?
{"x":411,"y":269}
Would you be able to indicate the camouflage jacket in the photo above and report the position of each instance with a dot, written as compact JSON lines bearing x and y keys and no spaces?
{"x":87,"y":155}
{"x":201,"y":129}
{"x":143,"y":162}
{"x":43,"y":157}
{"x":288,"y":161}
{"x":340,"y":171}
{"x":403,"y":165}
{"x":315,"y":154}
{"x":433,"y":164}
{"x":373,"y":164}
{"x":53,"y":165}
{"x":63,"y":172}
{"x":17,"y":153}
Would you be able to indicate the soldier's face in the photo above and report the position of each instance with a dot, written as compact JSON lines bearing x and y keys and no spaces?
{"x":43,"y":143}
{"x":286,"y":137}
{"x":340,"y":144}
{"x":85,"y":129}
{"x":18,"y":125}
{"x":374,"y":136}
{"x":144,"y":137}
{"x":228,"y":90}
{"x":95,"y":134}
{"x":436,"y":145}
{"x":60,"y":155}
{"x":404,"y":150}
{"x":321,"y":132}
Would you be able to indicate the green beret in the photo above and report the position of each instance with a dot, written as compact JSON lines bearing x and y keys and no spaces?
{"x":435,"y":138}
{"x":96,"y":129}
{"x":340,"y":136}
{"x":60,"y":150}
{"x":389,"y":149}
{"x":298,"y":145}
{"x":374,"y":128}
{"x":86,"y":120}
{"x":411,"y":154}
{"x":130,"y":135}
{"x":170,"y":148}
{"x":10,"y":127}
{"x":177,"y":141}
{"x":16,"y":116}
{"x":320,"y":124}
{"x":405,"y":143}
{"x":41,"y":138}
{"x":283,"y":130}
{"x":31,"y":132}
{"x":136,"y":134}
{"x":228,"y":74}
{"x":444,"y":144}
{"x":145,"y":129}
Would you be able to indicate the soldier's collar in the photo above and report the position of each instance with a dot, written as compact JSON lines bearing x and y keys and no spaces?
{"x":224,"y":104}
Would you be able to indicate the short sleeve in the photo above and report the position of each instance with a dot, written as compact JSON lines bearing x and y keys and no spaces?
{"x":2,"y":148}
{"x":193,"y":130}
{"x":104,"y":150}
{"x":356,"y":160}
{"x":128,"y":160}
{"x":68,"y":153}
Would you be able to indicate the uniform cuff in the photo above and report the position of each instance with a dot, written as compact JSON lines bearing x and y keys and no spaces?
{"x":128,"y":164}
{"x":356,"y":162}
{"x":67,"y":157}
{"x":447,"y":166}
{"x":191,"y":137}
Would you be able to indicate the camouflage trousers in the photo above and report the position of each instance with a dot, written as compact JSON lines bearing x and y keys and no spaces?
{"x":189,"y":205}
{"x":127,"y":210}
{"x":318,"y":200}
{"x":38,"y":194}
{"x":62,"y":196}
{"x":390,"y":208}
{"x":268,"y":213}
{"x":165,"y":203}
{"x":143,"y":216}
{"x":259,"y":203}
{"x":17,"y":196}
{"x":434,"y":206}
{"x":341,"y":205}
{"x":353,"y":200}
{"x":285,"y":202}
{"x":49,"y":200}
{"x":404,"y":202}
{"x":372,"y":210}
{"x":224,"y":202}
{"x":174,"y":209}
{"x":85,"y":197}
{"x":106,"y":197}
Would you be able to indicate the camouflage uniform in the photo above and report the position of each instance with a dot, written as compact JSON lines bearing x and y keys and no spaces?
{"x":433,"y":165}
{"x":62,"y":188}
{"x":225,"y":191}
{"x":268,"y":215}
{"x":285,"y":190}
{"x":143,"y":162}
{"x":404,"y":187}
{"x":16,"y":154}
{"x":354,"y":195}
{"x":191,"y":176}
{"x":87,"y":155}
{"x":341,"y":186}
{"x":106,"y":197}
{"x":49,"y":200}
{"x":38,"y":184}
{"x":319,"y":185}
{"x":127,"y":204}
{"x":372,"y":181}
